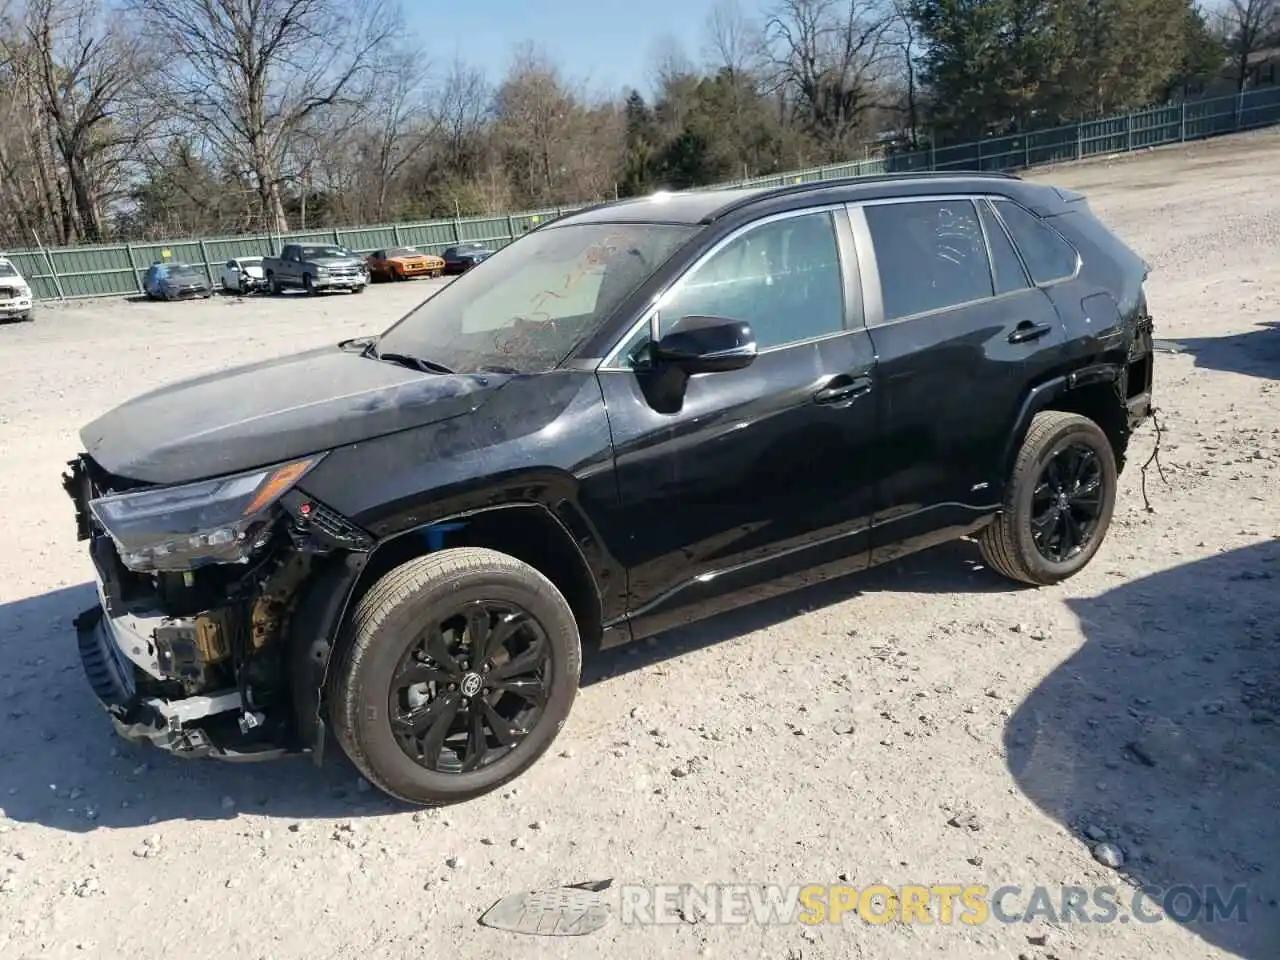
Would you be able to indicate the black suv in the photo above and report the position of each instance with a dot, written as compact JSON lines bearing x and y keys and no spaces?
{"x":632,"y":417}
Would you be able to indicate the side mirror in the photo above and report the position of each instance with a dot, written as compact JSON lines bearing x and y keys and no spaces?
{"x":707,"y":345}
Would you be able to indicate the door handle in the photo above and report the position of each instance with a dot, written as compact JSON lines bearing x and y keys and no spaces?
{"x":843,"y":388}
{"x":1027,"y":331}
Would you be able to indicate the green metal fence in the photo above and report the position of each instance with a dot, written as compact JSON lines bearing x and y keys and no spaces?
{"x":115,"y":270}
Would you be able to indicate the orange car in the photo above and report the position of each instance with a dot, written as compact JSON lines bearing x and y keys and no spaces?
{"x":402,"y":263}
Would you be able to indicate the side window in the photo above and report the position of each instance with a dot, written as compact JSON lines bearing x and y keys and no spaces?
{"x":1048,"y":256}
{"x":782,"y":277}
{"x":231,"y":265}
{"x":930,"y":255}
{"x":1010,"y":276}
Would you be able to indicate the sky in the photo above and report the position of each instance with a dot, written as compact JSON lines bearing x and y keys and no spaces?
{"x":608,"y":43}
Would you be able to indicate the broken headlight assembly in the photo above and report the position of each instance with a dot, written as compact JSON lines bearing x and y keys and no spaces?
{"x":190,"y":525}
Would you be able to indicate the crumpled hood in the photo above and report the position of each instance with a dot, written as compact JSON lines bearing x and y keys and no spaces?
{"x":271,"y":411}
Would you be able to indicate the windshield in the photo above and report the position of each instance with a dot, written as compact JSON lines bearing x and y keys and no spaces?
{"x":6,"y":270}
{"x":250,"y":261}
{"x":313,"y":253}
{"x":530,"y":305}
{"x":402,"y":252}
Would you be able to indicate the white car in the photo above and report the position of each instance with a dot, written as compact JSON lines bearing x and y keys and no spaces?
{"x":15,"y":293}
{"x":243,"y":275}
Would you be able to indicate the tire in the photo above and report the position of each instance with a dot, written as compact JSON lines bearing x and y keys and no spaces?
{"x":274,"y":284}
{"x":1008,"y":545}
{"x":386,"y":626}
{"x":358,"y":289}
{"x":309,"y":285}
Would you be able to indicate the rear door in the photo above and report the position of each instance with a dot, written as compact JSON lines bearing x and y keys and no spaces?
{"x":761,"y":472}
{"x":959,"y":330}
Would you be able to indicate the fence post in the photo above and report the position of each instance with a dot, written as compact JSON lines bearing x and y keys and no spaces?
{"x":208,"y":270}
{"x":395,"y":234}
{"x":337,"y":240}
{"x":1079,"y":141}
{"x":979,"y":145}
{"x":1128,"y":132}
{"x":933,"y":151}
{"x":1182,"y":124}
{"x":511,"y":228}
{"x":457,"y":230}
{"x":1239,"y":109}
{"x":57,"y":282}
{"x":133,"y":265}
{"x":1026,"y":151}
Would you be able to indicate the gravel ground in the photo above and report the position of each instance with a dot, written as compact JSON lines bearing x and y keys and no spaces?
{"x":924,"y":723}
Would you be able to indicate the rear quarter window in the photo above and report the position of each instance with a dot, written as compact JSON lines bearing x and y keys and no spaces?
{"x":1046,"y":253}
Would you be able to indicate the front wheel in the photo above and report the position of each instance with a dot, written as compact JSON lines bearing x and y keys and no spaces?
{"x":458,"y":671}
{"x":309,"y":285}
{"x":1058,"y":504}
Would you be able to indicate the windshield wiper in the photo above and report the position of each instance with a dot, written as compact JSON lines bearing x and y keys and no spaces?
{"x":413,"y":363}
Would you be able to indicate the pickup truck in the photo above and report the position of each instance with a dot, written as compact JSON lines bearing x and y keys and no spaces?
{"x":315,"y":268}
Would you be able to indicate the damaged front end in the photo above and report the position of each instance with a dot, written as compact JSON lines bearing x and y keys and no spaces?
{"x":189,"y":648}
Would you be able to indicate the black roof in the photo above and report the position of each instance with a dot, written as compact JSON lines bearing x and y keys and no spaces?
{"x":694,"y":207}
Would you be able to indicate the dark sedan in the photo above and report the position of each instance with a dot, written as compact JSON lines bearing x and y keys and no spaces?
{"x":464,"y":256}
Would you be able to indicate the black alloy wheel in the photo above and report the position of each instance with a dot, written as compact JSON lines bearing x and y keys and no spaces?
{"x":470,"y":687}
{"x":455,"y":673}
{"x":1067,"y":503}
{"x":1058,"y":501}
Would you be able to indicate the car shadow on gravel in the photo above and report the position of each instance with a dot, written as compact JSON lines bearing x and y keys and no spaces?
{"x":1161,"y":736}
{"x":949,"y":568}
{"x":62,"y":765}
{"x":1255,"y":354}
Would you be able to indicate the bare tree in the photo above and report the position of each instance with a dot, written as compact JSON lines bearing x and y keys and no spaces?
{"x":831,"y":55}
{"x":732,"y":41}
{"x":399,"y":125}
{"x":459,"y":114}
{"x":534,"y":106}
{"x":1248,"y":26}
{"x":903,"y":36}
{"x":254,"y":73}
{"x":85,"y":73}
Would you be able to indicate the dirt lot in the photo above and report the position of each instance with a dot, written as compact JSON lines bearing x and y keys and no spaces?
{"x":830,"y":736}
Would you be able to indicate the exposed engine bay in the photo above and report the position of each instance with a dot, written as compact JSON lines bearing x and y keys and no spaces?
{"x":198,"y":585}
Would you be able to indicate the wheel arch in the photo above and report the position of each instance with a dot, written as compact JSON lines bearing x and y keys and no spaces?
{"x":528,"y":531}
{"x":1095,"y":391}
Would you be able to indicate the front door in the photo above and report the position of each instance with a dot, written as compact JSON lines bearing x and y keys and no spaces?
{"x":959,"y":331}
{"x":761,"y":472}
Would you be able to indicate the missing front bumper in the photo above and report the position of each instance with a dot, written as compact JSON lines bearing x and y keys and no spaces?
{"x":186,"y":727}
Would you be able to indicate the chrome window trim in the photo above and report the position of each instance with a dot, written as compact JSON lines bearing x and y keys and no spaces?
{"x":1027,"y":284}
{"x":648,"y":317}
{"x":872,"y":294}
{"x":995,"y":201}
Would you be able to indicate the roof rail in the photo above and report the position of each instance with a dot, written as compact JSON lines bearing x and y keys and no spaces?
{"x":570,"y":213}
{"x":787,"y":189}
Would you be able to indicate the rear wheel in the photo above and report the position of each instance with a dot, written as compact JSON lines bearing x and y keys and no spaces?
{"x":1059,"y":501}
{"x":459,"y":670}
